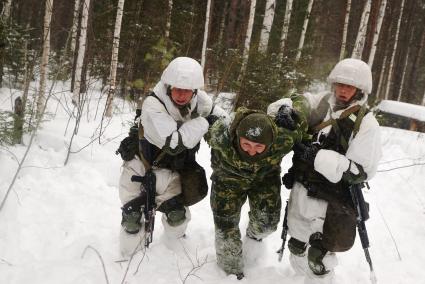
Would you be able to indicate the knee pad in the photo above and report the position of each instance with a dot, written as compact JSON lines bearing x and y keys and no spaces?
{"x":297,"y":247}
{"x":131,"y":221}
{"x":176,"y":217}
{"x":174,"y":211}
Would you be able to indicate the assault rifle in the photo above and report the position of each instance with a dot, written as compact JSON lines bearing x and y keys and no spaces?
{"x":146,"y":201}
{"x":284,"y":232}
{"x":362,"y":214}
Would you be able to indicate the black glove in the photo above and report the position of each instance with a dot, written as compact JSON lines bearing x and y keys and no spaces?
{"x":306,"y":153}
{"x":286,"y":117}
{"x":288,"y":179}
{"x":212,"y":118}
{"x":129,"y":147}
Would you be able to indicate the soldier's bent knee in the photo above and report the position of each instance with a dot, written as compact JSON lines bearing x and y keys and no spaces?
{"x":174,"y":211}
{"x":131,"y":221}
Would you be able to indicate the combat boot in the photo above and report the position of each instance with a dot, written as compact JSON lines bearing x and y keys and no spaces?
{"x":239,"y":276}
{"x":316,"y":253}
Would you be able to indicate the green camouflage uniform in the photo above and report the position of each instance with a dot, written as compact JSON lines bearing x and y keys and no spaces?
{"x":235,"y":179}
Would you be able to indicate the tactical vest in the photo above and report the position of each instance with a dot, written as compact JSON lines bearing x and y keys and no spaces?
{"x":192,"y":176}
{"x":337,"y":140}
{"x":156,"y":157}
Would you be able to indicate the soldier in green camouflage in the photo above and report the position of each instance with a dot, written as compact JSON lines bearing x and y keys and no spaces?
{"x":246,"y":154}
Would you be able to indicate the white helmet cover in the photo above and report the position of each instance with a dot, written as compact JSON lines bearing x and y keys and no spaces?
{"x":353,"y":72}
{"x":183,"y":73}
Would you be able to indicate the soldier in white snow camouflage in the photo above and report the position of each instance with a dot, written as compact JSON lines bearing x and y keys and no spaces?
{"x":345,"y":150}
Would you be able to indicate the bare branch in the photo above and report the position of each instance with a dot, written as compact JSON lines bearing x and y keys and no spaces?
{"x":101,"y":260}
{"x":39,"y":119}
{"x":197,"y":264}
{"x":401,"y":167}
{"x":135,"y":251}
{"x":11,"y":154}
{"x":6,"y":262}
{"x":389,"y":231}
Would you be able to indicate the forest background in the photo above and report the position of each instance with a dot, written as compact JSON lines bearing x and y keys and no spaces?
{"x":259,"y":49}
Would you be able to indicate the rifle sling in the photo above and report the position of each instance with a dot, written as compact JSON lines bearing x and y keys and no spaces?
{"x":162,"y":153}
{"x":345,"y":114}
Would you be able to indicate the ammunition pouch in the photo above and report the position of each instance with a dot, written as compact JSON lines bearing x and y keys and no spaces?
{"x":194,"y":183}
{"x":174,"y":210}
{"x":173,"y":162}
{"x":339,"y":228}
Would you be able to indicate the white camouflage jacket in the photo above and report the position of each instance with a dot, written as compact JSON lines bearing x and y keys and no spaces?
{"x":364,"y":149}
{"x":160,"y":122}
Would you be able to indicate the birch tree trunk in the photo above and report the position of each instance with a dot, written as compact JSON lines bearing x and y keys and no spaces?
{"x":204,"y":44}
{"x":168,"y":25}
{"x":114,"y":59}
{"x":285,"y":28}
{"x":344,"y":34}
{"x":304,"y":30}
{"x":267,"y":25}
{"x":377,"y":32}
{"x":44,"y":57}
{"x":247,"y":39}
{"x":390,"y":70}
{"x":81,"y":52}
{"x":5,"y":13}
{"x":361,"y":34}
{"x":74,"y":26}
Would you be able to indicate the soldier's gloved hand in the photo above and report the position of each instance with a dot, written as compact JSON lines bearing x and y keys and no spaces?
{"x":129,"y":147}
{"x":306,"y":153}
{"x":212,"y":118}
{"x":288,"y":179}
{"x":286,"y":117}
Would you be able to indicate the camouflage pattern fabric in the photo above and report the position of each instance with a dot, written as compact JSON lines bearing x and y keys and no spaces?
{"x":227,"y":197}
{"x":234,"y":180}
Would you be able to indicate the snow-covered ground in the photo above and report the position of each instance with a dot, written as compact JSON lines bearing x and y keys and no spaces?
{"x":57,"y":218}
